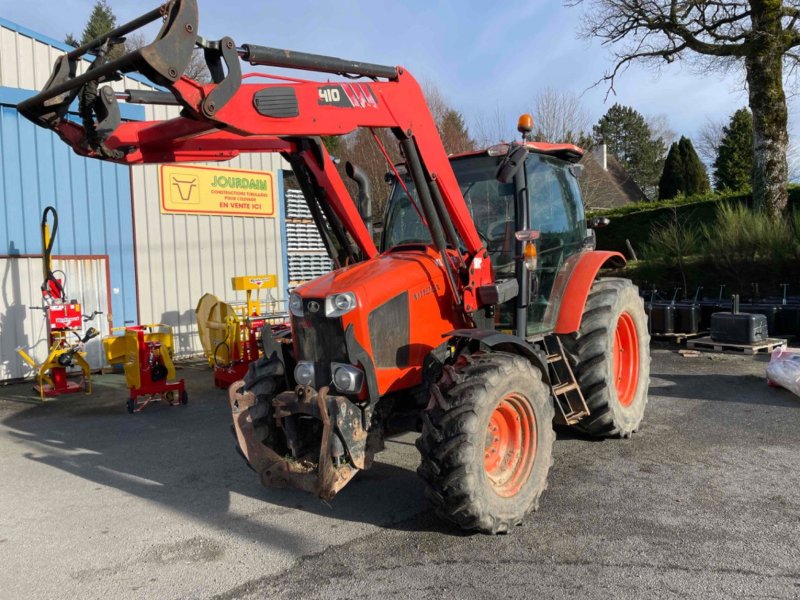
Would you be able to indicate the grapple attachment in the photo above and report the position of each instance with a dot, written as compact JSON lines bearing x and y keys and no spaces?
{"x":339,"y":450}
{"x":162,"y":61}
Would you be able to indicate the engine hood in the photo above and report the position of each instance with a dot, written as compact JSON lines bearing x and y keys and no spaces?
{"x":376,"y":280}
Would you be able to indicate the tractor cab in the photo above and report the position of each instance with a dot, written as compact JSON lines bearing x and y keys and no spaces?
{"x":542,"y":198}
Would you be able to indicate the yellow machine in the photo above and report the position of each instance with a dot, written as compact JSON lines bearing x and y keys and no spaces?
{"x":145,"y":352}
{"x":64,"y":319}
{"x":51,"y":375}
{"x":229,"y":331}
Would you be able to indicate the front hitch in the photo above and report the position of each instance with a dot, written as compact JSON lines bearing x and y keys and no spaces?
{"x":345,"y":445}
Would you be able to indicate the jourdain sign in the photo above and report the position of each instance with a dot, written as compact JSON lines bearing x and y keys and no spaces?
{"x":214,"y":191}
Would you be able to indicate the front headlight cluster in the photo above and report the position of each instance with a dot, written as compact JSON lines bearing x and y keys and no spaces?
{"x":336,"y":305}
{"x":304,"y":372}
{"x":346,"y":378}
{"x":296,"y":305}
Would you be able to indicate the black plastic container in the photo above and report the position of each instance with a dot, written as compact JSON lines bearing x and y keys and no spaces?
{"x":788,"y":320}
{"x":661,"y":317}
{"x":687,"y":318}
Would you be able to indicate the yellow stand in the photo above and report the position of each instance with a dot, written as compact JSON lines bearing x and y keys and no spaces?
{"x":248,"y":283}
{"x":50,"y":384}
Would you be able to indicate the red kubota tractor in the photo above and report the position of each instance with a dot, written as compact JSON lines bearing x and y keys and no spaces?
{"x":481,"y":316}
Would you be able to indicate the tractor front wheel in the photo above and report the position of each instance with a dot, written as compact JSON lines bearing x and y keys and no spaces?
{"x":610,"y":355}
{"x":487,"y":445}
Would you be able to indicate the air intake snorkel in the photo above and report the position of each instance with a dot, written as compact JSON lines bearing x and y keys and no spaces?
{"x":364,"y":196}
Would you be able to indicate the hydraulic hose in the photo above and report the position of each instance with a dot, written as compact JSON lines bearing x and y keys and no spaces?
{"x":47,"y":251}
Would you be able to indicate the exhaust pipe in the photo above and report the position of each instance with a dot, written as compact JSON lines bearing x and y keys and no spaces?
{"x":364,"y":197}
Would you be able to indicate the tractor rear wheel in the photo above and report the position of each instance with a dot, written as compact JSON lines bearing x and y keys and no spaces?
{"x":487,"y":445}
{"x":610,"y":355}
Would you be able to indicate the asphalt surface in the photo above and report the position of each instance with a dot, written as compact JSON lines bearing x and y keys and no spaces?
{"x":704,"y":502}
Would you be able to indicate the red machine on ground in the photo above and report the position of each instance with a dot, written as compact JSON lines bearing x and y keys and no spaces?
{"x":230,"y":332}
{"x":481,"y":316}
{"x":145,"y":354}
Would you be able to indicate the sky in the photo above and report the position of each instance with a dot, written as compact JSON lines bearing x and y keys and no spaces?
{"x":485,"y":57}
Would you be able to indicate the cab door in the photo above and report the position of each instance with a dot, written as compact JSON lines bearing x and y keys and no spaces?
{"x":556,"y":211}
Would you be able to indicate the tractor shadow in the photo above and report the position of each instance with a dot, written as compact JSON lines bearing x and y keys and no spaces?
{"x":183,"y":459}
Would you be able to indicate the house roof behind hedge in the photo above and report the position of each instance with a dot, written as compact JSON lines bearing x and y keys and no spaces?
{"x":608,"y":188}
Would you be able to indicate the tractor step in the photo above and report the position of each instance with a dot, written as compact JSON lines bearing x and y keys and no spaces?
{"x":566,"y":391}
{"x":563,"y":388}
{"x":572,"y":418}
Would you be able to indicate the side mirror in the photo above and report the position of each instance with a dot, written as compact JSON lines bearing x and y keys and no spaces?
{"x":511,"y":164}
{"x":598,"y":222}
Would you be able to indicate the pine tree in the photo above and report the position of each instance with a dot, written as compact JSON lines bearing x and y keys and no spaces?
{"x":454,"y":133}
{"x":683,"y":173}
{"x":695,"y":177}
{"x":672,"y":180}
{"x":101,"y":21}
{"x":629,"y":138}
{"x":733,"y":167}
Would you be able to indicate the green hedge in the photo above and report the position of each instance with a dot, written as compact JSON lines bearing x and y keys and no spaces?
{"x":701,"y":271}
{"x":635,"y":221}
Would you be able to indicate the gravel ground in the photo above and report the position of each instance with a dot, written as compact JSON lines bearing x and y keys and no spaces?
{"x":701,"y":503}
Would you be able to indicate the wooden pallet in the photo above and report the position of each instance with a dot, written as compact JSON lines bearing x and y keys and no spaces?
{"x":678,"y":338}
{"x":708,"y":345}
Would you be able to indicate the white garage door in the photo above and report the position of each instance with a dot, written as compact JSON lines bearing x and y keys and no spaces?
{"x":85,"y":280}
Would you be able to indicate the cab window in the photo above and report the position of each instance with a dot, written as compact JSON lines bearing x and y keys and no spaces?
{"x":490,"y":203}
{"x":556,"y":211}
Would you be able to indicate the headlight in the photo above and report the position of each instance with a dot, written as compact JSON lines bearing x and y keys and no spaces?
{"x":347,"y":378}
{"x":340,"y":304}
{"x":304,"y":372}
{"x":296,"y":305}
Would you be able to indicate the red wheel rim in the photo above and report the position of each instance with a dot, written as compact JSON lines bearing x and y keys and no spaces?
{"x":626,"y":359}
{"x":510,"y":445}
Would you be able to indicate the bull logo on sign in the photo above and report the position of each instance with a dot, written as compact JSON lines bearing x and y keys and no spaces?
{"x":186,"y":187}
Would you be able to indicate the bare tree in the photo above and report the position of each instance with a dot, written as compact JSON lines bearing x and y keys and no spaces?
{"x":437,"y":103}
{"x":661,"y":129}
{"x":559,"y":116}
{"x":450,"y":122}
{"x":363,"y":147}
{"x":760,"y":34}
{"x":492,"y":127}
{"x":709,"y":138}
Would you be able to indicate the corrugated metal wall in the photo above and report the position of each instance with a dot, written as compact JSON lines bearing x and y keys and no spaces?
{"x":92,"y":198}
{"x":27,"y":57}
{"x":20,"y":281}
{"x":182,"y":257}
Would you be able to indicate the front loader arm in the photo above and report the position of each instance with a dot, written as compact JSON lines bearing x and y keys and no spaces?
{"x":232,"y":114}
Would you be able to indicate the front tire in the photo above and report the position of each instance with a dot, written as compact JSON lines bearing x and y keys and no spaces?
{"x":487,"y":451}
{"x":610,"y":356}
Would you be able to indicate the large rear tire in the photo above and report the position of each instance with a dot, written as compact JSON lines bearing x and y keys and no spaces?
{"x":610,"y":355}
{"x":487,"y":446}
